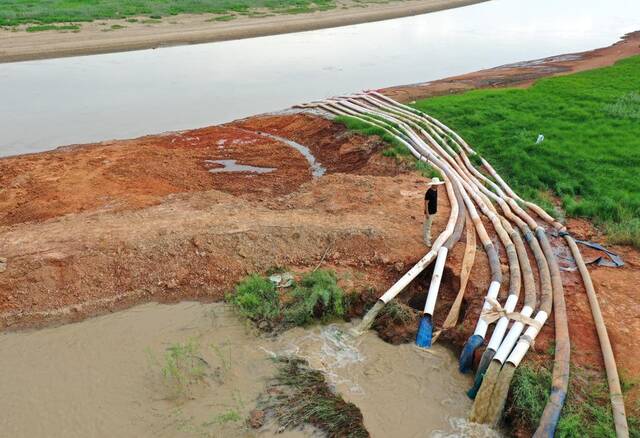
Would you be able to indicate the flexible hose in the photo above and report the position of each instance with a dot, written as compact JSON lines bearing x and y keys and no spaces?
{"x":441,"y":138}
{"x":421,"y":265}
{"x":543,"y":266}
{"x":477,"y":338}
{"x":613,"y":380}
{"x":492,"y":254}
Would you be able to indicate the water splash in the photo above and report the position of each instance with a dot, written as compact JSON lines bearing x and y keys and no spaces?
{"x":328,"y":349}
{"x":368,"y":319}
{"x":463,"y":428}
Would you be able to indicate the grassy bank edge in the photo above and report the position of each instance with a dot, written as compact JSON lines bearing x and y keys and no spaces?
{"x":586,"y":166}
{"x":587,"y":409}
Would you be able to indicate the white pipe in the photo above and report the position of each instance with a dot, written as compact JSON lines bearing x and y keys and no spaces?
{"x":482,"y":325}
{"x":523,"y":345}
{"x":432,"y":296}
{"x":510,"y":340}
{"x":501,"y":325}
{"x":486,"y":208}
{"x":394,"y":290}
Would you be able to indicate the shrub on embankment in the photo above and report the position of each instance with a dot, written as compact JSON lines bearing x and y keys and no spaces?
{"x":590,"y":156}
{"x":316,"y":296}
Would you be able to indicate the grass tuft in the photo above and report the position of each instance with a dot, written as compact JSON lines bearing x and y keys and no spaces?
{"x":316,"y":297}
{"x":256,"y":298}
{"x":587,"y":409}
{"x":302,"y":396}
{"x":398,"y":313}
{"x":182,"y":366}
{"x":222,"y":18}
{"x":529,"y":393}
{"x":45,"y":27}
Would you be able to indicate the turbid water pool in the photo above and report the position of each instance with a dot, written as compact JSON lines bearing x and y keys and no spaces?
{"x":106,"y":377}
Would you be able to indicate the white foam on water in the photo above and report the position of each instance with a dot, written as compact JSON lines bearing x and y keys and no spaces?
{"x":463,"y":428}
{"x":328,"y":349}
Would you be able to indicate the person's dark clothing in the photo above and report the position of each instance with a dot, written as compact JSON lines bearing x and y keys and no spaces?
{"x":431,"y":198}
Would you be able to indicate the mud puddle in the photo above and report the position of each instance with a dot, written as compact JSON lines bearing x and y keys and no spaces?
{"x":111,"y":376}
{"x":234,"y":166}
{"x":317,"y":170}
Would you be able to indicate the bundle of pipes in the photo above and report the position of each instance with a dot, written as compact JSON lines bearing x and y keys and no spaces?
{"x":468,"y":191}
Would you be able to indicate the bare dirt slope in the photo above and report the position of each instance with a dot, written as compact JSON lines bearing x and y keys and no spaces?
{"x":91,"y":228}
{"x":143,"y":219}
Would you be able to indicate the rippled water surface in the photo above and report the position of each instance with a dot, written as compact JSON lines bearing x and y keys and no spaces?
{"x":106,"y":377}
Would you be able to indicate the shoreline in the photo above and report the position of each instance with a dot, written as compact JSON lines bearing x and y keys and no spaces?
{"x":520,"y":74}
{"x":23,"y":46}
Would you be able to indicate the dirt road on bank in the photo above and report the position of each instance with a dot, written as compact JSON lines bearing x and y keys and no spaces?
{"x":101,"y":37}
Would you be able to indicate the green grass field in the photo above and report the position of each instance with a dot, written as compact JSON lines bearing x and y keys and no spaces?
{"x":590,"y":156}
{"x":17,"y":12}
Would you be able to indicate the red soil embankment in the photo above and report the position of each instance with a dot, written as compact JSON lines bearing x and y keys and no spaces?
{"x":96,"y":228}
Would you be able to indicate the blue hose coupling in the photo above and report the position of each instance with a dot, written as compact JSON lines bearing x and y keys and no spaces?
{"x":425,"y":332}
{"x":466,"y":357}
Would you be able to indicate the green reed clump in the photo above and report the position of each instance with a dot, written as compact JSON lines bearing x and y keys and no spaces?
{"x":316,"y":297}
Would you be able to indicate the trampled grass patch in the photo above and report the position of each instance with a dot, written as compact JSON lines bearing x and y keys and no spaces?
{"x":590,"y":155}
{"x":16,"y":12}
{"x":302,"y":396}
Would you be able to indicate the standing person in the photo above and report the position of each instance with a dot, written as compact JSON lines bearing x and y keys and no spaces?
{"x":430,"y":208}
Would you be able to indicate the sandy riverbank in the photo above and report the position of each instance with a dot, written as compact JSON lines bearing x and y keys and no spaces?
{"x":99,"y":37}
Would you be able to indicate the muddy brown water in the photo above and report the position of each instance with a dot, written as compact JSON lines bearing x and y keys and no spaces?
{"x":103,"y":378}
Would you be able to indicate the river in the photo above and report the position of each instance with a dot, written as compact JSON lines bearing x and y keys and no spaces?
{"x":44,"y":104}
